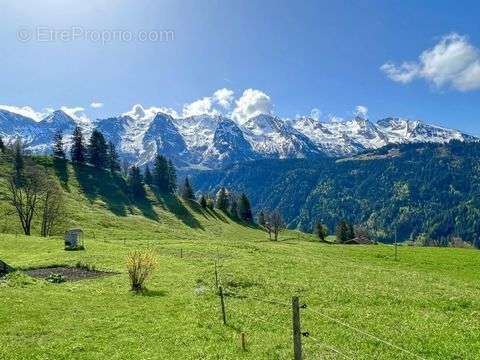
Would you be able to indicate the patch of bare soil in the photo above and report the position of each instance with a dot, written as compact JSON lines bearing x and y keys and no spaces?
{"x":69,"y":273}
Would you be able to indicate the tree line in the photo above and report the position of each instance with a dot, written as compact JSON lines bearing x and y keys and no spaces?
{"x":237,"y":206}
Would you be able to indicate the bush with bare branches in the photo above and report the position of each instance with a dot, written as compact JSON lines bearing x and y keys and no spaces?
{"x":140,"y":265}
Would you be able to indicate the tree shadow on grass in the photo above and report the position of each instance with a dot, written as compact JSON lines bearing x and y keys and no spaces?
{"x":61,"y":171}
{"x":100,"y":184}
{"x":172,"y":204}
{"x":153,"y":293}
{"x":145,"y":206}
{"x":217,"y":215}
{"x":249,"y":224}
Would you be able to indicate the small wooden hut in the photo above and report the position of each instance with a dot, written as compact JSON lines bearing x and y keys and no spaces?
{"x":74,"y":239}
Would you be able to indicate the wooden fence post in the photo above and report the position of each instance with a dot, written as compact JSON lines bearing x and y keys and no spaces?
{"x":297,"y":335}
{"x":396,"y":244}
{"x":222,"y":303}
{"x":216,"y":275}
{"x":242,"y":341}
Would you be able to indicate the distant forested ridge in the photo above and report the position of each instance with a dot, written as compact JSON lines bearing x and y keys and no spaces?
{"x":428,"y":191}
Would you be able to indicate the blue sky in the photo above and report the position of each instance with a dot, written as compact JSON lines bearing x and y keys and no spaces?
{"x":326,"y":55}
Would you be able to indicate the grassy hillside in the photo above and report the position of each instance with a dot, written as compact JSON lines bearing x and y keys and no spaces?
{"x":426,"y":303}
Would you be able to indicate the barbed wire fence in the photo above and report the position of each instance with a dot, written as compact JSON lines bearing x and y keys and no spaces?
{"x":223,"y":293}
{"x":296,"y":330}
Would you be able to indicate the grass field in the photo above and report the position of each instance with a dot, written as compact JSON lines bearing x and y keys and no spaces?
{"x":361,"y":303}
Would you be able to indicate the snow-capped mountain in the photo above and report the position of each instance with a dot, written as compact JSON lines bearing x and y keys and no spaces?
{"x":228,"y":145}
{"x":359,"y":134}
{"x":399,"y":130}
{"x":164,"y":137}
{"x":36,"y":135}
{"x":213,"y":141}
{"x":275,"y":138}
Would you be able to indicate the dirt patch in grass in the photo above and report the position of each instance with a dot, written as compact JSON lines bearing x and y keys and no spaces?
{"x":68,"y":273}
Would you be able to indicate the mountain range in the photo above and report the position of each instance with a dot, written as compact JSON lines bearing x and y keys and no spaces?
{"x":215,"y":141}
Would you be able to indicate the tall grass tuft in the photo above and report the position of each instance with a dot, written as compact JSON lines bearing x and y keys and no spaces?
{"x":140,"y":265}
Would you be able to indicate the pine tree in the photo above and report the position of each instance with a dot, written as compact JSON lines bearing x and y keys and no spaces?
{"x":210,"y":204}
{"x":161,"y":173}
{"x":244,"y":208}
{"x":262,"y":221}
{"x":148,"y":176}
{"x":233,"y":211}
{"x":18,"y":164}
{"x":135,"y":182}
{"x":2,"y":145}
{"x":321,"y":231}
{"x":113,"y":160}
{"x":203,"y":202}
{"x":187,"y":190}
{"x":342,"y":232}
{"x":222,"y":200}
{"x":97,"y":150}
{"x":350,"y":232}
{"x":78,"y":151}
{"x":58,"y":150}
{"x":172,"y":177}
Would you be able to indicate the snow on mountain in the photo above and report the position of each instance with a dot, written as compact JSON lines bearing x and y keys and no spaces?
{"x":214,"y":141}
{"x":198,"y":131}
{"x":36,"y":135}
{"x":14,"y":125}
{"x":350,"y":137}
{"x":400,"y":130}
{"x":328,"y":137}
{"x":228,"y":145}
{"x":274,"y":137}
{"x":163,"y":137}
{"x":58,"y":120}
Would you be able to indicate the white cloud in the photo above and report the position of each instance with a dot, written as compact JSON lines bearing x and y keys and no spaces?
{"x":210,"y":105}
{"x":200,"y":107}
{"x":96,"y":105}
{"x":453,"y":62}
{"x":252,"y":103}
{"x":139,"y":113}
{"x":26,"y":111}
{"x":224,"y":97}
{"x":404,"y":73}
{"x":361,"y":111}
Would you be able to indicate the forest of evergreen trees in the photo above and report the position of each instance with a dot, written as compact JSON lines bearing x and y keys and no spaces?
{"x":428,"y":193}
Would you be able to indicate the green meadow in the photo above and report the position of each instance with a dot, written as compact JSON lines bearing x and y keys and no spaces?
{"x":361,"y":303}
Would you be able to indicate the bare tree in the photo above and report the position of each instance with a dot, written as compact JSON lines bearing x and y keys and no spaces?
{"x":274,"y":224}
{"x":265,"y":222}
{"x":24,"y":196}
{"x":52,"y":209}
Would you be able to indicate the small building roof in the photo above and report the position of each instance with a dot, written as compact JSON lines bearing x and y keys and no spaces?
{"x":360,"y":240}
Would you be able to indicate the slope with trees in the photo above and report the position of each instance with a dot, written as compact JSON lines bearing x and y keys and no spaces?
{"x":424,"y":191}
